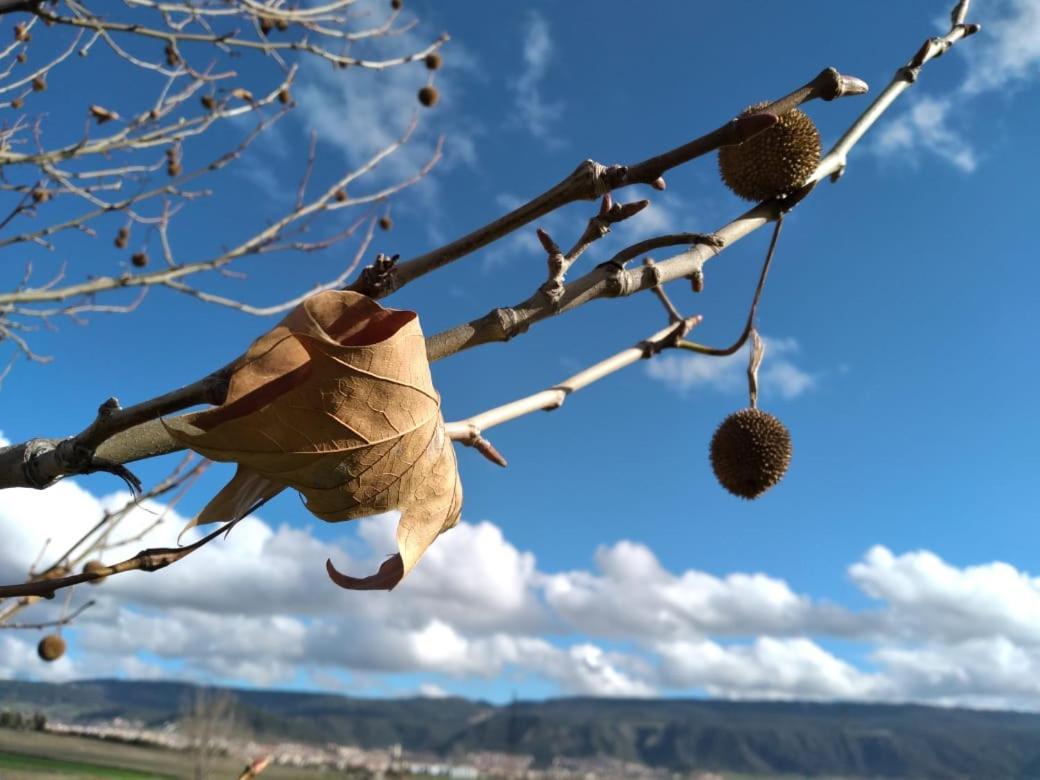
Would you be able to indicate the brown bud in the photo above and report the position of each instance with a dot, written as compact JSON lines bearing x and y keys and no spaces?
{"x":433,"y":60}
{"x":139,"y":259}
{"x":38,"y":84}
{"x":122,"y":236}
{"x":17,"y":103}
{"x":385,"y":223}
{"x":102,"y":114}
{"x":396,"y":4}
{"x":284,"y":96}
{"x":208,"y":102}
{"x":41,"y":195}
{"x":93,"y":567}
{"x":22,"y":56}
{"x":341,"y":195}
{"x":173,"y":59}
{"x":174,"y":169}
{"x":429,"y":96}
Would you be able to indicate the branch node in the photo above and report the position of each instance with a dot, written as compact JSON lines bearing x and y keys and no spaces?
{"x":108,"y":406}
{"x":697,"y":280}
{"x":380,"y":279}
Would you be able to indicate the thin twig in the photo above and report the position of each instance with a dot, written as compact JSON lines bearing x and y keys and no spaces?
{"x":470,"y":431}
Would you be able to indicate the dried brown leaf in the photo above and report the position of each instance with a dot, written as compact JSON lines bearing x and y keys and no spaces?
{"x":337,"y":402}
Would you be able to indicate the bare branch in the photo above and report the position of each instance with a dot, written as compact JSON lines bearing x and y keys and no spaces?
{"x":470,"y":431}
{"x":591,"y":180}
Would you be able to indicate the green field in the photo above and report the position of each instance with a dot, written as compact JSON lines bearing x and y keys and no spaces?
{"x":16,"y":764}
{"x":29,"y":755}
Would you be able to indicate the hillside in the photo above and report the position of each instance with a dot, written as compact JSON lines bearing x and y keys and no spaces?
{"x":862,"y":740}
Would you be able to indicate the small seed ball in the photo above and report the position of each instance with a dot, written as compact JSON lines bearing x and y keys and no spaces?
{"x":775,"y":162}
{"x":433,"y":60}
{"x":750,"y":452}
{"x":139,"y":259}
{"x":429,"y":96}
{"x":51,"y":648}
{"x":385,"y":223}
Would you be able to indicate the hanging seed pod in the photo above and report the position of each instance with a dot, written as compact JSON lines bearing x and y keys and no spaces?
{"x":429,"y":96}
{"x":51,"y":648}
{"x":750,"y":452}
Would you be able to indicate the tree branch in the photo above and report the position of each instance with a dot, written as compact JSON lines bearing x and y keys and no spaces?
{"x":470,"y":431}
{"x":610,"y":279}
{"x":591,"y":180}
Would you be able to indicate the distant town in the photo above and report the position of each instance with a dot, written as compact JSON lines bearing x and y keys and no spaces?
{"x":393,"y":762}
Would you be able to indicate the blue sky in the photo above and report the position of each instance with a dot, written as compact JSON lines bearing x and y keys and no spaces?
{"x":897,"y":559}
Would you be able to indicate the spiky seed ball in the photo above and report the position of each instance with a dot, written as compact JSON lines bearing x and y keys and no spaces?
{"x":429,"y":96}
{"x":433,"y":60}
{"x":396,"y":4}
{"x":39,"y":84}
{"x":750,"y":452}
{"x":385,"y":223}
{"x":776,"y":161}
{"x":139,"y":259}
{"x":51,"y":648}
{"x":92,"y":567}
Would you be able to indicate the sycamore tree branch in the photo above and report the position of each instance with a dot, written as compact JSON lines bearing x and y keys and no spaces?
{"x":591,"y":180}
{"x":470,"y":431}
{"x":39,"y":462}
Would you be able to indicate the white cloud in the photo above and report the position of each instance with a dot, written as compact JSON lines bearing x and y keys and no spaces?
{"x":925,"y":128}
{"x":258,"y":608}
{"x":360,"y":112}
{"x":928,"y":598}
{"x":536,"y":115}
{"x":779,"y":375}
{"x":1004,"y":56}
{"x":768,"y":668}
{"x":1007,"y":51}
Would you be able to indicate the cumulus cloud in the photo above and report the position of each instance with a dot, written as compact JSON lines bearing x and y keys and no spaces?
{"x":768,"y":668}
{"x":780,"y":375}
{"x":257,"y":608}
{"x":927,"y":597}
{"x":536,"y":114}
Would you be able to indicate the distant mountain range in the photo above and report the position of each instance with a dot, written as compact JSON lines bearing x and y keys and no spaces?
{"x":807,"y":739}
